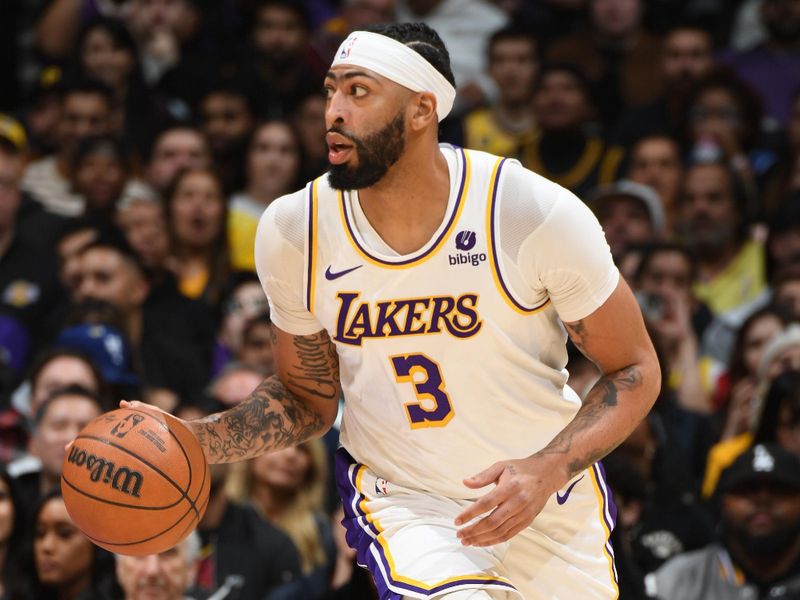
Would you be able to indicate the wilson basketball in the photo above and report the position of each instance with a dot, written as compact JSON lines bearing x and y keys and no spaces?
{"x":134,"y":485}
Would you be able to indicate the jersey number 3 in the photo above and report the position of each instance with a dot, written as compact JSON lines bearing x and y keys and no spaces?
{"x":433,"y":407}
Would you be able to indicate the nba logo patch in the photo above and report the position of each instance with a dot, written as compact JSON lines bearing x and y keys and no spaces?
{"x":381,"y":486}
{"x":347,"y":46}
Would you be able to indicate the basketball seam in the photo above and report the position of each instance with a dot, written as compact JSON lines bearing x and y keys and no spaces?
{"x":188,"y":464}
{"x":142,"y":541}
{"x":184,"y":494}
{"x":121,"y":504}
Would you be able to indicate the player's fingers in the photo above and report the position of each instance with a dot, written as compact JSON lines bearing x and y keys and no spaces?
{"x":502,"y":534}
{"x":486,"y":476}
{"x":148,"y":408}
{"x":486,"y":527}
{"x":483,"y":505}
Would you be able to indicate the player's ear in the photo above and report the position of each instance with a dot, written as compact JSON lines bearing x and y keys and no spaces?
{"x":424,"y":111}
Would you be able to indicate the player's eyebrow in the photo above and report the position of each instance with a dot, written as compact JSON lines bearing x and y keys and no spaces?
{"x":350,"y":75}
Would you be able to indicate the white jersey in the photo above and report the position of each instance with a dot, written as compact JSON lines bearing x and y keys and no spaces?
{"x":453,"y":357}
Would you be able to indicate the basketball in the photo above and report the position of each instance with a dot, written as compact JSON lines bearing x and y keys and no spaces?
{"x":134,"y":485}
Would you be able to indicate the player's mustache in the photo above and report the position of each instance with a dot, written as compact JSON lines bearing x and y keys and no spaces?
{"x":334,"y":129}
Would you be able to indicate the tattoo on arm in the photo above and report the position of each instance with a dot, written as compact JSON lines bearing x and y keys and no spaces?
{"x":602,"y":398}
{"x":313,"y":376}
{"x":276,"y":415}
{"x":577,"y":333}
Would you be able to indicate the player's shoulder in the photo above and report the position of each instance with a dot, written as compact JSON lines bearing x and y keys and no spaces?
{"x":516,"y":174}
{"x":540,"y":188}
{"x":286,"y":215}
{"x":293,"y":202}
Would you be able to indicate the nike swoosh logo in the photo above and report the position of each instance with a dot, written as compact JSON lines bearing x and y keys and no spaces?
{"x":330,"y":275}
{"x":561,"y":499}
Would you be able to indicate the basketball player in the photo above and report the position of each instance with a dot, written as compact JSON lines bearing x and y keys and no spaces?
{"x":432,"y":286}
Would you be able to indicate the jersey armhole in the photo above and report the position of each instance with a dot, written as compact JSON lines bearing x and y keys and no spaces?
{"x":311,"y":244}
{"x":495,"y":249}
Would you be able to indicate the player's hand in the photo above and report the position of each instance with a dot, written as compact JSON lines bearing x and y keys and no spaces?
{"x":163,"y":416}
{"x":148,"y":408}
{"x":522,"y":489}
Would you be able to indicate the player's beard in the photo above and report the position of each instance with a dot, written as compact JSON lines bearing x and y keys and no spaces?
{"x":376,"y":153}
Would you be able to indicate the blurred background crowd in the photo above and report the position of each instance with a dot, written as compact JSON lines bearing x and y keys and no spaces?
{"x":140,"y":141}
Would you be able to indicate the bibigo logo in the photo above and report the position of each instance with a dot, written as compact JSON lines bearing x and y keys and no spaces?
{"x":465,"y":241}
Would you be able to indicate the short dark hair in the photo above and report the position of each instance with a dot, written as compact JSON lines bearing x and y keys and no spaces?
{"x":298,"y":8}
{"x":106,"y":143}
{"x":571,"y":69}
{"x":158,"y":135}
{"x":113,"y":239}
{"x":421,"y":39}
{"x":651,"y":250}
{"x":69,"y":390}
{"x":750,"y":103}
{"x":230,"y":87}
{"x":86,"y":85}
{"x":76,"y":224}
{"x":741,"y":199}
{"x":512,"y":32}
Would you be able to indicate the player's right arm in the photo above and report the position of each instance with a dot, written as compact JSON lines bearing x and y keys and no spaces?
{"x":297,"y":404}
{"x":300,"y":402}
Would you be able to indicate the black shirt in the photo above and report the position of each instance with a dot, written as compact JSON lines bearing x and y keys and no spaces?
{"x":253,"y":556}
{"x":28,"y":286}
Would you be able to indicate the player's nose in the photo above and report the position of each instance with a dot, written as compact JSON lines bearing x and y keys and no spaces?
{"x":336,"y":110}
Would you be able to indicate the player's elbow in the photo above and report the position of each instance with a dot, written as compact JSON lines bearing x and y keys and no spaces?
{"x":651,"y":378}
{"x":324,"y":415}
{"x":328,"y":417}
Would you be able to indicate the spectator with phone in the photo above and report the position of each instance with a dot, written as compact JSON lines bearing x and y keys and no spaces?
{"x":663,"y":284}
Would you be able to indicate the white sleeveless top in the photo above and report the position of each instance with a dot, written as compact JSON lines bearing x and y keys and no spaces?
{"x":451,"y":358}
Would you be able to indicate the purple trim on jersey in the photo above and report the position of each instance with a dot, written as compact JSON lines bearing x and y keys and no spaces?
{"x":360,"y":534}
{"x":608,"y":503}
{"x":495,"y":253}
{"x":445,"y":231}
{"x":311,"y":216}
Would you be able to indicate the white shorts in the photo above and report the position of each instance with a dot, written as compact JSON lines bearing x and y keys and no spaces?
{"x":407,"y":539}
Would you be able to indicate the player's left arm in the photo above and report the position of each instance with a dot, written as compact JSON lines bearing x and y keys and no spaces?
{"x":614,"y":337}
{"x":567,"y":255}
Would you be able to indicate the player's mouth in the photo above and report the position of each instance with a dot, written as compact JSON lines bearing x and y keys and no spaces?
{"x":339,"y":148}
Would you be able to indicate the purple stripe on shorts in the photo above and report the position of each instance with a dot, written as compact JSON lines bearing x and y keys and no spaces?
{"x":609,"y":498}
{"x":611,"y":508}
{"x":361,"y":534}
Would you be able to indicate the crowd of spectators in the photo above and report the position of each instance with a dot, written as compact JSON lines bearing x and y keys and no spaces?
{"x":140,"y":141}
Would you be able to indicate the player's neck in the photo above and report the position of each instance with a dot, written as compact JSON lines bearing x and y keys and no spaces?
{"x":407,"y":206}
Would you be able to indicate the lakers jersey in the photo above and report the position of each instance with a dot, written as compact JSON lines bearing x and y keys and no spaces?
{"x":453,"y":357}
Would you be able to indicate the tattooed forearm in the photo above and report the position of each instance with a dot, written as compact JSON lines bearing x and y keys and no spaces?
{"x":276,"y":415}
{"x":313,"y":373}
{"x":602,"y":398}
{"x":270,"y":419}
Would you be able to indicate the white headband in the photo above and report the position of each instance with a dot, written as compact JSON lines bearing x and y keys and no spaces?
{"x":397,"y":62}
